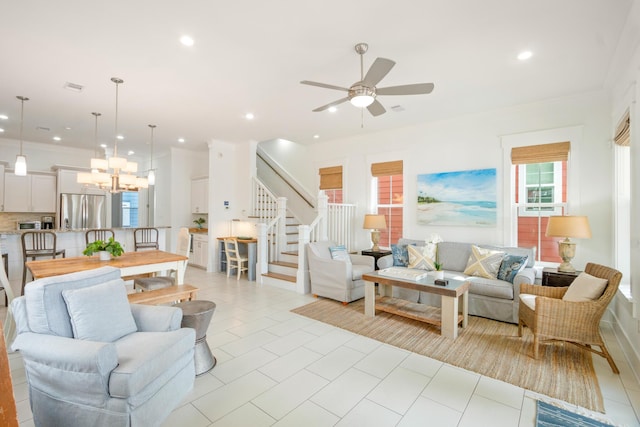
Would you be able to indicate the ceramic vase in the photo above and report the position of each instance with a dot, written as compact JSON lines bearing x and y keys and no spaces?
{"x":104,"y":255}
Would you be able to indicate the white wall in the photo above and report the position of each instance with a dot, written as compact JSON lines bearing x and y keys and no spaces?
{"x":473,"y":142}
{"x":288,"y":154}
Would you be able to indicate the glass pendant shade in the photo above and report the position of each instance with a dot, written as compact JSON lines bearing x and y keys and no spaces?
{"x":152,"y":177}
{"x":142,"y":183}
{"x":20,"y":167}
{"x":362,"y":101}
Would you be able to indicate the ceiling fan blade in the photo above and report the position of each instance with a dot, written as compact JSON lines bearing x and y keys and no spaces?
{"x":379,"y":69}
{"x":324,"y":85}
{"x":334,"y":103}
{"x":414,"y":89}
{"x":376,"y":108}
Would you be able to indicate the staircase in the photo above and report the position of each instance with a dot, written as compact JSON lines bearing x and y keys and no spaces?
{"x":285,"y":266}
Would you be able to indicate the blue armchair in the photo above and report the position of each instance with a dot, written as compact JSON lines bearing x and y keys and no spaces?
{"x":93,"y":359}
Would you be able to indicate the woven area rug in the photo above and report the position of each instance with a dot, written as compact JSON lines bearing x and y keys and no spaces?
{"x":486,"y":347}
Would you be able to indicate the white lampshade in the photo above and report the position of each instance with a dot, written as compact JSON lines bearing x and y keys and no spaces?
{"x":117,"y":162}
{"x":362,"y":101}
{"x":20,"y":167}
{"x":374,"y":222}
{"x":142,"y":183}
{"x":84,"y":178}
{"x":152,"y":177}
{"x":569,"y":226}
{"x":127,"y":180}
{"x":101,"y":178}
{"x":99,"y":164}
{"x":131,"y":167}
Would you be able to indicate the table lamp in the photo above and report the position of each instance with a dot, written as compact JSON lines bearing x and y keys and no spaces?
{"x":375,"y":223}
{"x":568,"y":226}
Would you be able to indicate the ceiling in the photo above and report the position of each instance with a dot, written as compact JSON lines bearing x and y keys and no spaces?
{"x":250,"y":56}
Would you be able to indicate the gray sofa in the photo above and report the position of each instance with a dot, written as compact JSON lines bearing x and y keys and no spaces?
{"x":491,"y":298}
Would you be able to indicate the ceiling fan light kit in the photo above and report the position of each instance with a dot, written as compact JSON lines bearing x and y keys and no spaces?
{"x":363,"y":93}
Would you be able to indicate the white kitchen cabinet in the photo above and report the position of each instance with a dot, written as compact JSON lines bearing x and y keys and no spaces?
{"x":200,"y":255}
{"x":1,"y":187}
{"x":31,"y":193}
{"x":200,"y":195}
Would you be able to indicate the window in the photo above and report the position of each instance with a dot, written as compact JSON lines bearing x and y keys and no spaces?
{"x":331,"y":183}
{"x":388,"y":198}
{"x":540,"y":192}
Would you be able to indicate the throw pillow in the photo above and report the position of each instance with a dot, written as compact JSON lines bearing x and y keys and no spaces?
{"x":585,"y":288}
{"x":400,"y":255}
{"x":420,"y":258}
{"x":484,"y":262}
{"x":100,"y":313}
{"x":511,"y":265}
{"x":340,"y":253}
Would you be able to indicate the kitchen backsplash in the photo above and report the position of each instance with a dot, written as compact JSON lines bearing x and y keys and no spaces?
{"x":8,"y":220}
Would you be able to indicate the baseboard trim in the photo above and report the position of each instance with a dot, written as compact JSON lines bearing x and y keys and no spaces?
{"x":625,"y":343}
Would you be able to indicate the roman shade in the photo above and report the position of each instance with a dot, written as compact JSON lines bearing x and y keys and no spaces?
{"x":543,"y":153}
{"x":623,"y":135}
{"x":386,"y":168}
{"x":331,"y":178}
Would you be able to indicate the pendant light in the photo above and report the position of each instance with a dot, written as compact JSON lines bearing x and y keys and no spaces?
{"x":98,"y":165}
{"x":152,"y":173}
{"x":20,"y":167}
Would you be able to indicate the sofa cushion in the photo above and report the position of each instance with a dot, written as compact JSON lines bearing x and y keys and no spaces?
{"x":339,"y":253}
{"x":483,"y":262}
{"x":510,"y":266}
{"x":453,"y":255}
{"x":585,"y":288}
{"x":529,"y":300}
{"x":47,"y":292}
{"x":491,"y":287}
{"x":100,"y":313}
{"x":400,"y":255}
{"x":510,"y":250}
{"x":421,"y":258}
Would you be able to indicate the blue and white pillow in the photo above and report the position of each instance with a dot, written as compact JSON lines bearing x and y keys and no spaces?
{"x":511,"y":265}
{"x":340,"y":253}
{"x":400,"y":255}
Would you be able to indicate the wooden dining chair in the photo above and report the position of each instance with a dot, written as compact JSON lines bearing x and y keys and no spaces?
{"x":38,"y":244}
{"x":145,"y":238}
{"x":234,"y":258}
{"x":98,"y":234}
{"x":159,"y":282}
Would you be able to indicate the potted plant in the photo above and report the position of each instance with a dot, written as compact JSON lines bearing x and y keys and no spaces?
{"x":199,"y":222}
{"x":432,"y":245}
{"x":106,"y":249}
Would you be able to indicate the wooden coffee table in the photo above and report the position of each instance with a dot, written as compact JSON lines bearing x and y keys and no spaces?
{"x":448,"y":317}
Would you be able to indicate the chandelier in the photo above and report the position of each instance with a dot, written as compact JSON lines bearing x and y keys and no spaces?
{"x":115,"y":174}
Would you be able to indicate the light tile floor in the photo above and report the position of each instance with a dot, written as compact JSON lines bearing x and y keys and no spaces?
{"x":276,"y":368}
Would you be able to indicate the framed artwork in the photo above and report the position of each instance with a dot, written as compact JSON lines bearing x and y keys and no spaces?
{"x":466,"y":198}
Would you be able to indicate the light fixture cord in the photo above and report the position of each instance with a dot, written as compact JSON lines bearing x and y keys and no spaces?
{"x":151,"y":160}
{"x":95,"y":134}
{"x":22,"y":99}
{"x":115,"y":145}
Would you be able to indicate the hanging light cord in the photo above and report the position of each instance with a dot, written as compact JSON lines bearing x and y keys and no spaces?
{"x":95,"y":134}
{"x":151,"y":160}
{"x":22,"y":99}
{"x":117,"y":81}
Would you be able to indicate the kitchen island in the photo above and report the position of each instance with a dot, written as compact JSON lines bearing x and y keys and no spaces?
{"x":72,"y":240}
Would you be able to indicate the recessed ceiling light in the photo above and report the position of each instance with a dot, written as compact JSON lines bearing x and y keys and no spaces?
{"x":103,"y":145}
{"x":186,"y":40}
{"x":249,"y":116}
{"x":3,"y":117}
{"x":333,"y":109}
{"x":131,"y":152}
{"x":120,"y":137}
{"x":316,"y":136}
{"x":181,"y":140}
{"x":1,"y":130}
{"x":524,"y":55}
{"x":67,"y":128}
{"x":57,"y":138}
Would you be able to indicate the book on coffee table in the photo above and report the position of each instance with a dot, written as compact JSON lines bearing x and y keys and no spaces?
{"x":403,"y":273}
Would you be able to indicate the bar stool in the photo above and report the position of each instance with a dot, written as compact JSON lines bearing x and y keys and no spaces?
{"x":145,"y":238}
{"x":98,"y":234}
{"x":36,"y":244}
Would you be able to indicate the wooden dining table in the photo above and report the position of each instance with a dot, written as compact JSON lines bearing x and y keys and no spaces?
{"x":129,"y":263}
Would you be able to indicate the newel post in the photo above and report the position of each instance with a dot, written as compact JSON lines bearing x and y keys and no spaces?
{"x":262,"y":264}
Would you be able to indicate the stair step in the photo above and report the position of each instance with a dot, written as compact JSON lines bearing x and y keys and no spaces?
{"x":285,"y":264}
{"x":285,"y":277}
{"x":294,"y":253}
{"x":292,"y":242}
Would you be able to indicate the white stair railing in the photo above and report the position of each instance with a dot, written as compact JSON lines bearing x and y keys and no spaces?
{"x":263,"y":203}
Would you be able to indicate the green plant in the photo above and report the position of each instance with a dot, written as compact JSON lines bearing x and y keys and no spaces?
{"x":112,"y":246}
{"x":437,"y":265}
{"x":199,"y":221}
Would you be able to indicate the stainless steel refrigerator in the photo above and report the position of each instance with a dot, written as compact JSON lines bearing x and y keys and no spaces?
{"x":83,"y":211}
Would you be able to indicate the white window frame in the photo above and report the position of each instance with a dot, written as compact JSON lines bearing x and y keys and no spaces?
{"x":534,"y":209}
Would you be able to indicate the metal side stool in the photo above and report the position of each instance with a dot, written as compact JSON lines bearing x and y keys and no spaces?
{"x":197,"y":315}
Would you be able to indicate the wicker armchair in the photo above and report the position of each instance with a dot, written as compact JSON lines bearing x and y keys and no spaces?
{"x":575,"y":322}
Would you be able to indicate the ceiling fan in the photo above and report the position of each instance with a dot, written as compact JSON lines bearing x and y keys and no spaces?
{"x":363,"y":93}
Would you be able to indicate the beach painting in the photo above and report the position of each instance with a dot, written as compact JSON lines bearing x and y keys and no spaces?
{"x":466,"y":198}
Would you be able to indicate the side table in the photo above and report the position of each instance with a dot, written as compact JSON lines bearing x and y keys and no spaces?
{"x":197,"y":315}
{"x":375,"y":254}
{"x":553,"y":277}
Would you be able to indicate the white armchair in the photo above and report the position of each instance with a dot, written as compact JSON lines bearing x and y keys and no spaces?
{"x":340,"y":280}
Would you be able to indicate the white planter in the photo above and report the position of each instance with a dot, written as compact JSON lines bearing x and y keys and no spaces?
{"x":438,"y":275}
{"x":104,"y":255}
